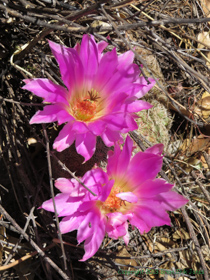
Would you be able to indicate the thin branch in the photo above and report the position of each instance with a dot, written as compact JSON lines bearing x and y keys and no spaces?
{"x":53,"y":196}
{"x":195,"y":240}
{"x":24,"y":258}
{"x":124,"y":27}
{"x":205,"y":192}
{"x":33,"y":244}
{"x":21,"y":236}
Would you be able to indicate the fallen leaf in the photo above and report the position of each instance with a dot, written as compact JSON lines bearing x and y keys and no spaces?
{"x":205,"y":94}
{"x":181,"y":234}
{"x":203,"y":37}
{"x":196,"y":145}
{"x":122,"y":252}
{"x":203,"y":160}
{"x":99,"y":24}
{"x":204,"y":104}
{"x":205,"y":4}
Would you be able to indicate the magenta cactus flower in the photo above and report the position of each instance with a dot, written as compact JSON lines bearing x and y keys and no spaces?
{"x":100,"y":96}
{"x":129,"y":191}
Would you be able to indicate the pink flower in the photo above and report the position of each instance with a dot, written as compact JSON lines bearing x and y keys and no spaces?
{"x":100,"y":97}
{"x":129,"y":191}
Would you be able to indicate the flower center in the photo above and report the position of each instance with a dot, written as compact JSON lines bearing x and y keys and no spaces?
{"x":85,"y":109}
{"x":112,"y":202}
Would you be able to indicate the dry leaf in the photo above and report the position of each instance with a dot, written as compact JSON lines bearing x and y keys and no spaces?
{"x":205,"y":94}
{"x":99,"y":24}
{"x":122,"y":252}
{"x":169,"y":277}
{"x":203,"y":160}
{"x":181,"y":234}
{"x":196,"y":145}
{"x":204,"y":104}
{"x":205,"y":4}
{"x":202,"y":107}
{"x":204,"y":37}
{"x":206,"y":252}
{"x":160,"y":247}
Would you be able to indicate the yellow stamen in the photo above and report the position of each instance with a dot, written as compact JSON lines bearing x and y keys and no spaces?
{"x":112,"y":202}
{"x":86,"y":108}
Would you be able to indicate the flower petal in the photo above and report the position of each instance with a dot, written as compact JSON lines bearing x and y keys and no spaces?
{"x":93,"y":242}
{"x":87,"y":205}
{"x":70,"y":186}
{"x":106,"y":69}
{"x":71,"y":223}
{"x":136,"y":106}
{"x":86,"y":145}
{"x":101,"y":46}
{"x":126,"y":59}
{"x":115,"y":121}
{"x":126,"y":238}
{"x":146,"y":87}
{"x":47,"y":89}
{"x":51,"y":113}
{"x":156,"y":149}
{"x":86,"y":227}
{"x":126,"y":73}
{"x":114,"y":104}
{"x":89,"y":58}
{"x":171,"y":200}
{"x":106,"y":191}
{"x":70,"y":65}
{"x":118,"y":162}
{"x":130,"y":123}
{"x":71,"y":206}
{"x":151,"y":188}
{"x":94,"y":177}
{"x":60,"y":200}
{"x":128,"y":196}
{"x":79,"y":127}
{"x":97,"y":127}
{"x":117,"y":225}
{"x":121,"y":78}
{"x":65,"y":138}
{"x":143,"y":167}
{"x":110,"y":137}
{"x":131,"y":90}
{"x":64,"y":204}
{"x":147,"y":216}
